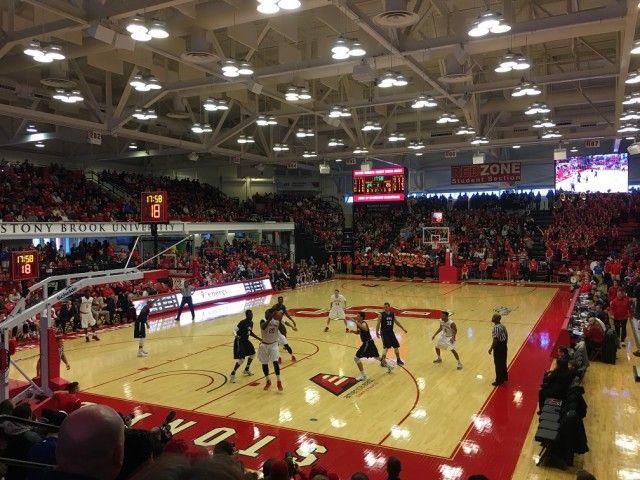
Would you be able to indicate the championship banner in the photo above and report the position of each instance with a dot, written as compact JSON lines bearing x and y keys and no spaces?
{"x":486,"y":173}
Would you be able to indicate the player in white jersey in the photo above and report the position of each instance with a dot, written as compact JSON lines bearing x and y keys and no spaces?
{"x":268,"y":349}
{"x":86,"y":316}
{"x":447,"y":339}
{"x":337,"y":307}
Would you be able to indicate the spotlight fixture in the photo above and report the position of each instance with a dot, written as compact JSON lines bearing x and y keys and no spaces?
{"x":392,"y":79}
{"x":636,"y":48}
{"x":232,"y":69}
{"x":479,"y":141}
{"x":630,"y":115}
{"x":544,"y":123}
{"x":335,"y":142}
{"x":551,"y":134}
{"x":370,"y":126}
{"x":269,"y":7}
{"x":71,"y":96}
{"x":144,"y":114}
{"x":213,"y":105}
{"x":31,"y":129}
{"x":447,"y":118}
{"x":359,"y":150}
{"x":39,"y":144}
{"x":264,"y":121}
{"x":526,"y":88}
{"x":536,"y":108}
{"x":397,"y":137}
{"x":633,"y":77}
{"x":44,"y":53}
{"x":280,"y":147}
{"x":142,"y":31}
{"x":516,"y":147}
{"x":297,"y":94}
{"x":424,"y":101}
{"x":339,"y":112}
{"x":465,"y":131}
{"x":343,"y":49}
{"x":416,"y":145}
{"x":309,"y":154}
{"x":488,"y":22}
{"x":628,"y":128}
{"x":145,"y":83}
{"x":633,"y":99}
{"x":512,"y":61}
{"x":242,"y":139}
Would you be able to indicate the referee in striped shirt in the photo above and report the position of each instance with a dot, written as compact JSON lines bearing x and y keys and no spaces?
{"x":499,"y":349}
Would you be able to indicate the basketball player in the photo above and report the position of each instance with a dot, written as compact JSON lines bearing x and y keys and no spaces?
{"x":386,"y":321}
{"x":86,"y":316}
{"x":140,"y":327}
{"x":242,"y":347}
{"x":187,"y":299}
{"x":368,"y":348}
{"x":282,"y":329}
{"x":337,"y":306}
{"x":268,"y":349}
{"x":447,"y":340}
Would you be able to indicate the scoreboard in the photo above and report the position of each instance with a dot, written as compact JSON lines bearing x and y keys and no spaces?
{"x":379,"y":185}
{"x":25,"y":265}
{"x":154,"y":207}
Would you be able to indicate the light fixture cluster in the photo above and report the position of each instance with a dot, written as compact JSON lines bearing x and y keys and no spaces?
{"x":397,"y":137}
{"x":633,"y":77}
{"x":371,"y":126}
{"x":142,"y":30}
{"x":339,"y":112}
{"x":264,"y":121}
{"x":280,"y":147}
{"x":360,"y":150}
{"x":304,"y":132}
{"x":424,"y":101}
{"x":44,"y":53}
{"x":68,"y":96}
{"x":447,"y":118}
{"x":526,"y":89}
{"x":392,"y":79}
{"x":309,"y":154}
{"x":297,"y":94}
{"x":628,"y":128}
{"x":512,"y":61}
{"x":573,"y":149}
{"x":39,"y":144}
{"x":31,"y":129}
{"x":199,"y":129}
{"x":544,"y":123}
{"x":629,"y":115}
{"x":537,"y":108}
{"x":416,"y":145}
{"x":466,"y":130}
{"x":632,"y":99}
{"x":335,"y":142}
{"x":242,"y":139}
{"x":231,"y":68}
{"x":343,"y":49}
{"x":145,"y":83}
{"x":488,"y":22}
{"x":477,"y":140}
{"x":547,"y":134}
{"x":269,"y":7}
{"x":215,"y":105}
{"x":144,"y":114}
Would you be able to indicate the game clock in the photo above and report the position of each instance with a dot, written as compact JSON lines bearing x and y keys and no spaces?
{"x":154,"y":207}
{"x":25,"y":265}
{"x":379,"y":185}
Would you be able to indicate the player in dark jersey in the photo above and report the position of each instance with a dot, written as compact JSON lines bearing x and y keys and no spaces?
{"x":242,"y":347}
{"x":384,"y":329}
{"x":282,"y":338}
{"x":140,"y":327}
{"x":368,"y":348}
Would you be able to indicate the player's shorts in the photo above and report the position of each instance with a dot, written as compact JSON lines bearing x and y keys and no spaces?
{"x":368,"y":350}
{"x":389,"y":340}
{"x":139,"y":330}
{"x":87,"y":320}
{"x":445,"y":343}
{"x":337,"y":314}
{"x":268,"y":353}
{"x":242,"y":348}
{"x":282,"y":340}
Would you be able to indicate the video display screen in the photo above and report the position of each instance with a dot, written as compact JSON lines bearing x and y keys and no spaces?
{"x":607,"y":173}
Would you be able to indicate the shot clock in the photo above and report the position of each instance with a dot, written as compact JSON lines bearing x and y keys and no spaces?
{"x":25,"y":265}
{"x":154,"y":207}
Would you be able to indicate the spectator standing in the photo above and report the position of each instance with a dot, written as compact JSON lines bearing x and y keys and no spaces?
{"x":620,"y":312}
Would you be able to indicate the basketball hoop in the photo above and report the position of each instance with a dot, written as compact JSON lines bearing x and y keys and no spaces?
{"x":435,"y":236}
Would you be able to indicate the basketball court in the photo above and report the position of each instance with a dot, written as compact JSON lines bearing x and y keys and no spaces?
{"x":441,"y":422}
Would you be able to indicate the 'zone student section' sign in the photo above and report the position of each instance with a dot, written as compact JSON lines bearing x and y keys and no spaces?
{"x":486,"y":173}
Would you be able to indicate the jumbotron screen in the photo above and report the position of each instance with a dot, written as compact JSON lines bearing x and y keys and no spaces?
{"x":593,"y":173}
{"x":379,"y":185}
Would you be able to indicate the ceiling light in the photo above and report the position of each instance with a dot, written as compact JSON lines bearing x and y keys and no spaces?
{"x":335,"y":142}
{"x":213,"y":105}
{"x":418,"y":154}
{"x":295,"y":94}
{"x":424,"y":101}
{"x":302,"y":133}
{"x":465,"y":131}
{"x":144,"y":114}
{"x":304,"y":94}
{"x":242,"y":139}
{"x":261,"y":121}
{"x":511,"y":62}
{"x":632,"y":99}
{"x":145,"y":83}
{"x":44,"y":53}
{"x":397,"y":137}
{"x":359,"y":150}
{"x":544,"y":123}
{"x":206,"y":128}
{"x":392,"y":79}
{"x":536,"y":108}
{"x":197,"y":129}
{"x":357,"y":50}
{"x":526,"y":88}
{"x":636,"y":47}
{"x":158,"y":29}
{"x":268,"y":7}
{"x":143,"y":31}
{"x":245,"y":69}
{"x":630,"y":115}
{"x":340,"y":47}
{"x":136,"y":24}
{"x":479,"y":141}
{"x":551,"y":134}
{"x":488,"y":22}
{"x":516,"y":146}
{"x":309,"y":154}
{"x":289,"y":4}
{"x":370,"y":126}
{"x":141,"y":36}
{"x":416,"y":145}
{"x":39,"y":144}
{"x":633,"y":77}
{"x":339,"y":112}
{"x":31,"y":129}
{"x":133,"y":146}
{"x":573,"y":149}
{"x":280,"y":147}
{"x":447,"y":118}
{"x":628,"y":128}
{"x":73,"y":96}
{"x":232,"y":69}
{"x":338,"y":160}
{"x":54,"y":51}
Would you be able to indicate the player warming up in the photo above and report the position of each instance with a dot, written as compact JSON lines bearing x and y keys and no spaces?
{"x":268,"y":349}
{"x":368,"y":348}
{"x":86,"y":316}
{"x":140,"y":327}
{"x":447,"y":339}
{"x":242,"y":347}
{"x":384,"y":329}
{"x":282,"y":338}
{"x":337,"y":306}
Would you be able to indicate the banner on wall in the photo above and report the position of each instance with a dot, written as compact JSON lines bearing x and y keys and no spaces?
{"x":508,"y":172}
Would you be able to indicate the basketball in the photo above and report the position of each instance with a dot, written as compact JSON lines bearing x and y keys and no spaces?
{"x":277,"y":315}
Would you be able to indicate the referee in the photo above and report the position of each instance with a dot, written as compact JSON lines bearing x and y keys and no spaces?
{"x":499,"y":349}
{"x":187,"y":292}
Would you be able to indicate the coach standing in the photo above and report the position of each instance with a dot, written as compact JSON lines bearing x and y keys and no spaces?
{"x":187,"y":292}
{"x":499,"y":349}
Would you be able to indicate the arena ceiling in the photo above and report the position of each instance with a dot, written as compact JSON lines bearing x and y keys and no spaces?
{"x":579,"y":51}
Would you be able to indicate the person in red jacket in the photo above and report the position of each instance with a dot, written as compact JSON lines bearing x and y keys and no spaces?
{"x":464,"y":271}
{"x":348,"y":261}
{"x":533,"y":268}
{"x":482,"y":267}
{"x":612,"y":292}
{"x":620,"y":312}
{"x":65,"y":400}
{"x":616,"y":268}
{"x":593,"y":335}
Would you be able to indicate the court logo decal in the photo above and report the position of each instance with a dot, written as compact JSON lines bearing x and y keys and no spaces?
{"x":335,"y":384}
{"x":502,"y":310}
